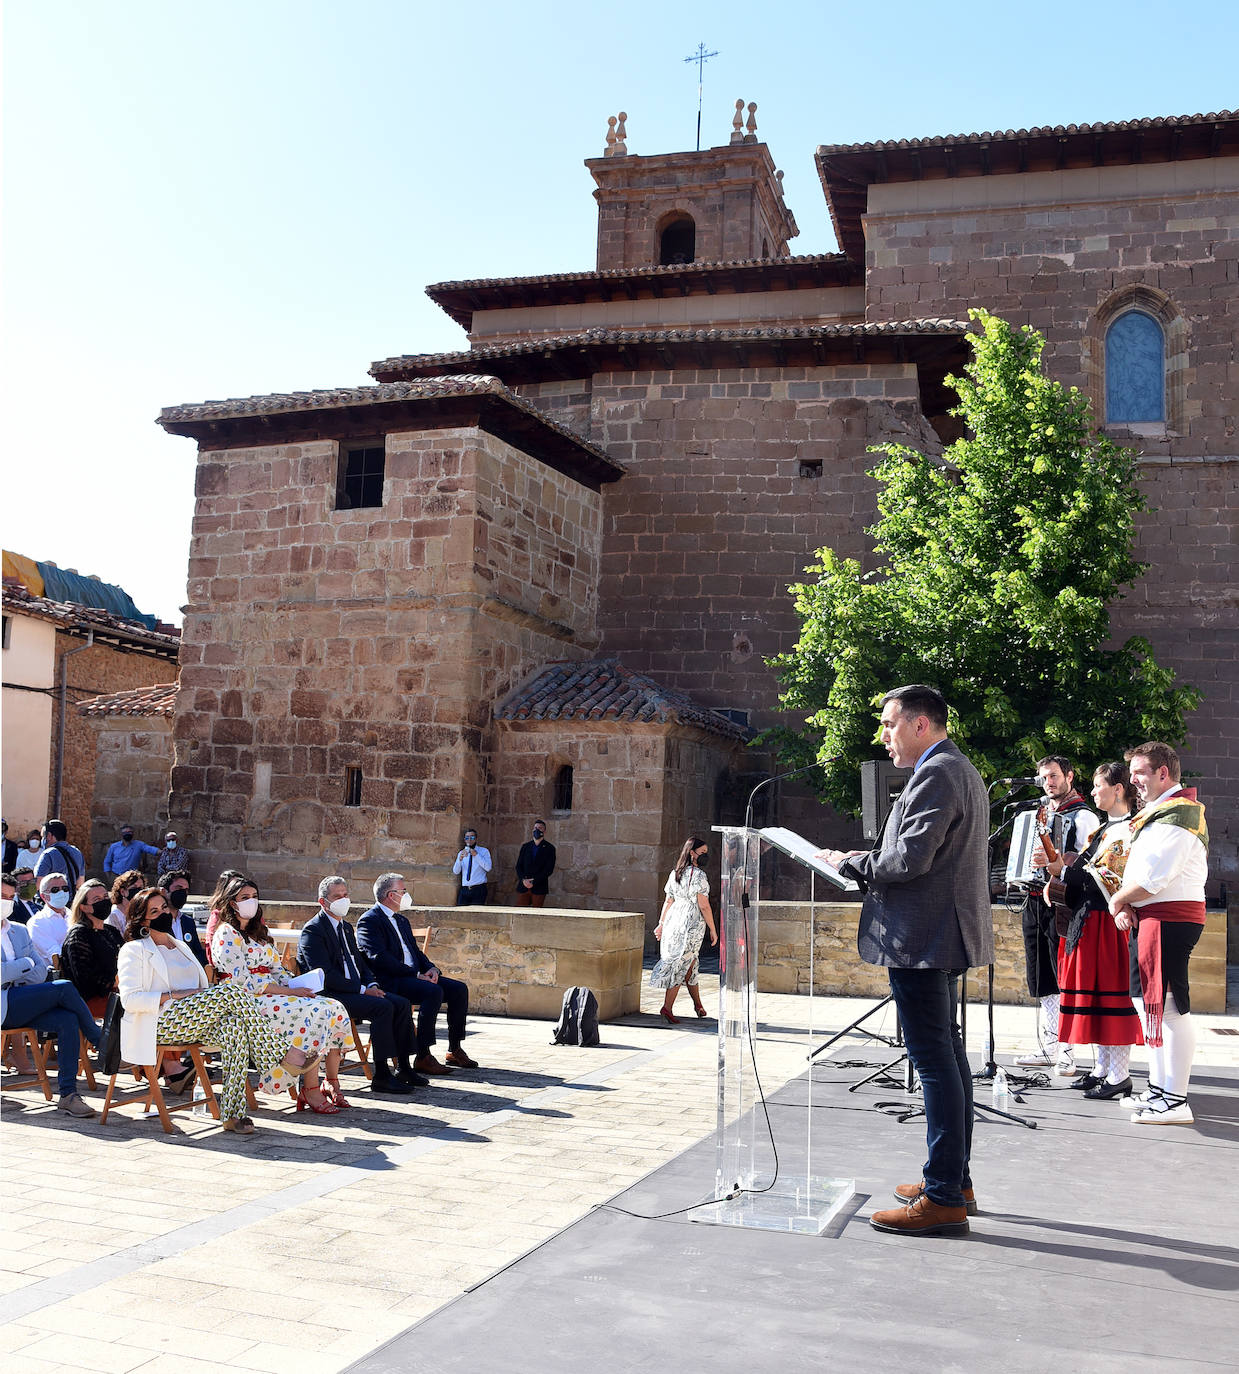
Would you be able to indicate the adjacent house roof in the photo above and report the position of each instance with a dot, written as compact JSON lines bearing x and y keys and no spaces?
{"x":848,"y":170}
{"x":460,"y":299}
{"x":438,"y":402}
{"x":158,"y":700}
{"x":107,"y":628}
{"x":604,"y":689}
{"x":939,"y":343}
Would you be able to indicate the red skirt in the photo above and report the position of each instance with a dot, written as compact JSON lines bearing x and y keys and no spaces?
{"x":1095,"y":1006}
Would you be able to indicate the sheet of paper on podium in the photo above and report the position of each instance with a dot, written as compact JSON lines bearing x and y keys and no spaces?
{"x":788,"y":842}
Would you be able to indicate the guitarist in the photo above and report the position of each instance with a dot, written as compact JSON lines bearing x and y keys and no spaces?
{"x":1066,"y":823}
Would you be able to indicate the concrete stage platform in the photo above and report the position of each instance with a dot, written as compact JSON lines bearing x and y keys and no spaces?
{"x":1100,"y":1246}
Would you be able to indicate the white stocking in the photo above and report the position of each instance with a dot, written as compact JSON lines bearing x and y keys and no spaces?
{"x":1049,"y":1011}
{"x":1101,"y":1054}
{"x":1179,"y":1032}
{"x":1120,"y":1060}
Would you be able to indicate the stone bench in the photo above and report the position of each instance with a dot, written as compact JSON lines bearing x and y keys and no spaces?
{"x":783,"y":956}
{"x":519,"y":961}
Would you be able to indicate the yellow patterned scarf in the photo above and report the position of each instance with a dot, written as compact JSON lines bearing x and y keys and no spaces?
{"x":1187,"y":814}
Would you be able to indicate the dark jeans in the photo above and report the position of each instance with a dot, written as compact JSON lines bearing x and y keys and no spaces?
{"x":429,"y":998}
{"x":58,"y":1009}
{"x":927,"y":1000}
{"x":471,"y":896}
{"x":1040,"y":947}
{"x":391,"y":1024}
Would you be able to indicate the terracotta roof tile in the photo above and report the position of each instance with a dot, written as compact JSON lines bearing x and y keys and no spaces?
{"x":604,"y":689}
{"x":134,"y":701}
{"x":594,"y":337}
{"x":165,"y":641}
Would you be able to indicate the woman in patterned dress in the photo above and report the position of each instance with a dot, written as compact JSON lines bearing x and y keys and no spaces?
{"x":685,"y":919}
{"x":243,"y":952}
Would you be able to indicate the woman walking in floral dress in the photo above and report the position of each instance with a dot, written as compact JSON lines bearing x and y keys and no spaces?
{"x":243,"y":952}
{"x":685,"y":919}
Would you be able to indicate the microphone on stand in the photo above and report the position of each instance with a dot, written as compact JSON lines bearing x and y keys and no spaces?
{"x":1017,"y":782}
{"x":779,"y":777}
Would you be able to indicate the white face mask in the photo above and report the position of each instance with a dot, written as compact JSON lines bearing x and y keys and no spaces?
{"x":6,"y":907}
{"x":58,"y":900}
{"x":406,"y":901}
{"x":339,"y":908}
{"x":248,"y":909}
{"x":171,"y":844}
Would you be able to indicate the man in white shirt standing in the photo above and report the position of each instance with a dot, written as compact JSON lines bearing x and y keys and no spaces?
{"x":472,"y":867}
{"x":1163,"y":898}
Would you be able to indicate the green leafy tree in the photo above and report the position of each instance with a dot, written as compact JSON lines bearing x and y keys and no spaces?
{"x":996,"y":567}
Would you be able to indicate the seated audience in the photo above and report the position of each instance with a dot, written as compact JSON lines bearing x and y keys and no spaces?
{"x":387,"y":940}
{"x":28,"y":999}
{"x":50,"y":926}
{"x":88,"y":958}
{"x":327,"y":942}
{"x":167,"y":1001}
{"x":175,"y":886}
{"x":20,"y":911}
{"x":242,"y":951}
{"x":216,"y":898}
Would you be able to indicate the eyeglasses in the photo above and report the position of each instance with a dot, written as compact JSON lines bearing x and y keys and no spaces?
{"x":57,"y":889}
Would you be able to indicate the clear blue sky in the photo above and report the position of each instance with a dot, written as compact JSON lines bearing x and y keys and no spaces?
{"x":244,"y":196}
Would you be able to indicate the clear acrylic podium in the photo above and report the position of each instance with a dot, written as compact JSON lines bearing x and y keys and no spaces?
{"x":747,"y":1193}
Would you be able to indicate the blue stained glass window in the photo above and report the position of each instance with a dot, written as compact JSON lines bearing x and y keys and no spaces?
{"x":1135,"y":370}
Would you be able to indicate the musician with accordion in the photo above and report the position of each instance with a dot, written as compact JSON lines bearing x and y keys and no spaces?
{"x":1064,"y":822}
{"x":1093,"y":968}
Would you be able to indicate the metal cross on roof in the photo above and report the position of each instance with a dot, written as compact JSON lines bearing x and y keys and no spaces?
{"x":701,"y":57}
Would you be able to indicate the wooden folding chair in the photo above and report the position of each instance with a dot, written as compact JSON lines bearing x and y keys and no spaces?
{"x":362,"y":1048}
{"x":37,"y":1053}
{"x":151,"y":1095}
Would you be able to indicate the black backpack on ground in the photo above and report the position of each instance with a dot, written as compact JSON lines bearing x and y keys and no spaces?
{"x":578,"y":1019}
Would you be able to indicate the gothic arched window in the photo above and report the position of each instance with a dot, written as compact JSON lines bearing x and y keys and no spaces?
{"x":1135,"y":370}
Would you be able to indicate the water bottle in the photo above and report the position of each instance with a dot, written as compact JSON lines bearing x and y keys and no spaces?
{"x":1002,"y":1090}
{"x":200,"y":1103}
{"x":987,"y":1051}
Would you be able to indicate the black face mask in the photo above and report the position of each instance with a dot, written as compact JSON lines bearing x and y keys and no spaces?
{"x":127,"y":837}
{"x":163,"y":924}
{"x":538,"y":833}
{"x":101,"y":909}
{"x":178,"y":898}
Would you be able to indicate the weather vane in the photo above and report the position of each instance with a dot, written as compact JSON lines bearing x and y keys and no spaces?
{"x":701,"y":57}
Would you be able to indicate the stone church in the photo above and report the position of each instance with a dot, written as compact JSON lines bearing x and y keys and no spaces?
{"x":539,"y":577}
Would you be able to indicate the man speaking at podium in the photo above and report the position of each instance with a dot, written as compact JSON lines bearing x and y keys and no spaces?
{"x":926,"y":917}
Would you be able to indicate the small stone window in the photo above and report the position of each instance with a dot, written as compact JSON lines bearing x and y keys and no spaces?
{"x":561,"y":789}
{"x":353,"y":780}
{"x":1135,"y":370}
{"x":810,"y":468}
{"x":359,"y":483}
{"x":677,"y":242}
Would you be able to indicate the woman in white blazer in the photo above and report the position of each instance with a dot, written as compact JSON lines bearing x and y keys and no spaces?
{"x":164,"y":991}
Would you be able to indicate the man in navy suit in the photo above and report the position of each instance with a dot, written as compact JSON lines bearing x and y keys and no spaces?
{"x":387,"y":940}
{"x":927,"y":917}
{"x":327,"y":941}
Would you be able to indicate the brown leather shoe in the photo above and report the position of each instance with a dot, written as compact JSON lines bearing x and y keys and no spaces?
{"x":430,"y":1066}
{"x":924,"y":1217}
{"x":459,"y":1059}
{"x":909,"y":1192}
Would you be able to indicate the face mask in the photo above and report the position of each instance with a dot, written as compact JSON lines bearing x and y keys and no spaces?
{"x":177,"y":899}
{"x":58,"y":900}
{"x":130,"y":895}
{"x":171,"y":844}
{"x":339,"y":908}
{"x":406,"y":901}
{"x":6,"y":907}
{"x":248,"y":909}
{"x":34,"y":843}
{"x":538,"y":832}
{"x":127,"y":836}
{"x":101,"y":908}
{"x":163,"y":924}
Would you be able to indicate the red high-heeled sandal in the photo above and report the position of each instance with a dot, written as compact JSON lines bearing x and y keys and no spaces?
{"x":669,"y":1017}
{"x":305,"y":1105}
{"x":333,"y":1094}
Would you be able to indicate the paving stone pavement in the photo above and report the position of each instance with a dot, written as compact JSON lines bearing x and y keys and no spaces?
{"x":318,"y":1239}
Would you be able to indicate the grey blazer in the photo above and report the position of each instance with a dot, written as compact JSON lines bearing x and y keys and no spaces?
{"x":928,"y":899}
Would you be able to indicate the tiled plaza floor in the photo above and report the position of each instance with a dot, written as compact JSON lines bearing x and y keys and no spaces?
{"x":125,"y":1249}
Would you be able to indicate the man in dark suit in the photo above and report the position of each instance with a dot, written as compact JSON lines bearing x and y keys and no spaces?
{"x":327,"y":941}
{"x":926,"y":916}
{"x":534,"y":865}
{"x":176,"y":888}
{"x":387,"y":940}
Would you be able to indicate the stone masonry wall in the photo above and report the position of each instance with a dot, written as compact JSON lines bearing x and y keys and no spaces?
{"x":319,"y":640}
{"x":134,"y":759}
{"x":93,"y":672}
